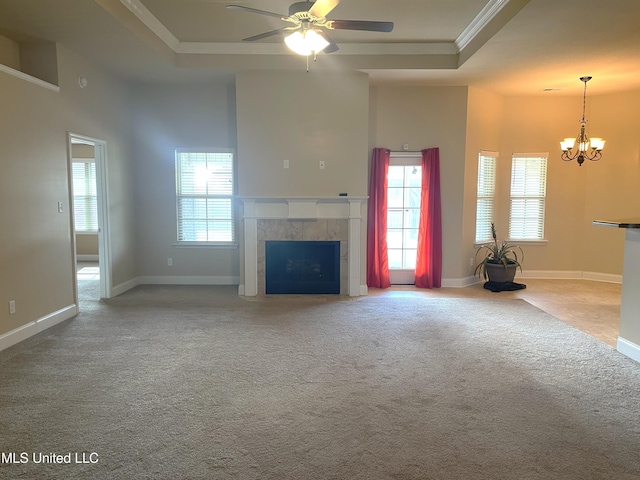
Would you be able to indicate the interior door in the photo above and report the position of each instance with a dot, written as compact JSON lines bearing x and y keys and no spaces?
{"x":403,"y":215}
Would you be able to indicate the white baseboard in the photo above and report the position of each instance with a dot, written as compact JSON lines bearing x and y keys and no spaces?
{"x":628,"y":348}
{"x":364,"y":290}
{"x":459,"y":282}
{"x":30,"y":329}
{"x":550,"y":274}
{"x":124,"y":286}
{"x":173,"y":280}
{"x":187,"y":280}
{"x":602,"y":277}
{"x":539,"y":274}
{"x":570,"y":275}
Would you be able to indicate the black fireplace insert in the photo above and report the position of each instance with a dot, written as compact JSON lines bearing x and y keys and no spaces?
{"x":302,"y":266}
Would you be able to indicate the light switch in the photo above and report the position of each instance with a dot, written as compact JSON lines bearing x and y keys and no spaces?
{"x":321,"y":164}
{"x":285,"y":164}
{"x":59,"y":207}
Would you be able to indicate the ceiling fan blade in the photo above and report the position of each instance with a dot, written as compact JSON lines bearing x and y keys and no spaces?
{"x":322,"y":7}
{"x":266,"y":34}
{"x":332,"y":47}
{"x":360,"y":25}
{"x":255,"y":10}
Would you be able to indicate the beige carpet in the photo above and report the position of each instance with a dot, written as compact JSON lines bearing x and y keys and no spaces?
{"x":198,"y":383}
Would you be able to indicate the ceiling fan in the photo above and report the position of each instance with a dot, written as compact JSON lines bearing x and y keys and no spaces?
{"x":309,"y":19}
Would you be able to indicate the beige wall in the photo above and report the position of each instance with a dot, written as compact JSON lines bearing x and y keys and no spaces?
{"x":425,"y":117}
{"x":304,"y":118}
{"x":80,"y":150}
{"x":40,"y":59}
{"x":36,"y":243}
{"x":103,"y":111}
{"x":9,"y":53}
{"x":536,"y":125}
{"x":484,"y":132}
{"x":612,"y":185}
{"x":576,"y":196}
{"x":87,"y":244}
{"x":167,"y":117}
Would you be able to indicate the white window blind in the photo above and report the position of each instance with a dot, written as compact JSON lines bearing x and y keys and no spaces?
{"x":485,"y":204}
{"x":528,"y":192}
{"x":85,"y":200}
{"x":204,"y":196}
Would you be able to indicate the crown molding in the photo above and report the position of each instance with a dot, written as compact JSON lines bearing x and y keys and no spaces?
{"x":141,"y":21}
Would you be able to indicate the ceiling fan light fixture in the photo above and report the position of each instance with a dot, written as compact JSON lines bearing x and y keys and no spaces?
{"x":306,"y":43}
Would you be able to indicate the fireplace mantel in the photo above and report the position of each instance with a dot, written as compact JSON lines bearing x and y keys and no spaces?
{"x":301,"y":208}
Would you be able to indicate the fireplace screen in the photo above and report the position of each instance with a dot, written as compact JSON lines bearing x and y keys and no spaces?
{"x":302,"y":266}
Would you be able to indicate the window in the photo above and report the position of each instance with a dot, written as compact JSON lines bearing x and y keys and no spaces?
{"x":403,"y":214}
{"x":486,"y":192}
{"x":528,"y":191}
{"x":85,"y":200}
{"x":204,"y":195}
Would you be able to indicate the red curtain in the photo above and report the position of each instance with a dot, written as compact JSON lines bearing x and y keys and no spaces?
{"x":429,"y":259}
{"x":377,"y":258}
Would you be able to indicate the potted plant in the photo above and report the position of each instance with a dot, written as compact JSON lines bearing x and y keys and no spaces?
{"x":500,"y":260}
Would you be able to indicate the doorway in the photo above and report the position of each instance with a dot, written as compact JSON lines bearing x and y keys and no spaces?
{"x":403,"y":215}
{"x":89,"y":218}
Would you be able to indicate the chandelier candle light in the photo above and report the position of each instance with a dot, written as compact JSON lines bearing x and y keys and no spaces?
{"x":582,"y":147}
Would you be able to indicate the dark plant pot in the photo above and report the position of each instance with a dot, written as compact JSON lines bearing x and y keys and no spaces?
{"x":498,"y":273}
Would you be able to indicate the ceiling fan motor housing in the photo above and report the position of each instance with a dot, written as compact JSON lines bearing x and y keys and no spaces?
{"x":300,"y":7}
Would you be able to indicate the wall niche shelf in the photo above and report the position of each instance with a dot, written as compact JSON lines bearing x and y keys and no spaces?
{"x":28,"y":78}
{"x":34,"y":61}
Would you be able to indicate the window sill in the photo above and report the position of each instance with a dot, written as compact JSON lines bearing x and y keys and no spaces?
{"x":524,"y":241}
{"x":206,"y":244}
{"x":515,"y":242}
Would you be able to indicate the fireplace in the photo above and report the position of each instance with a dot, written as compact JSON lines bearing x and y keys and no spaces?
{"x":302,"y":219}
{"x":302,"y":266}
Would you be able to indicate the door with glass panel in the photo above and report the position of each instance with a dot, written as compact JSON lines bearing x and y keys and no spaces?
{"x":403,"y":218}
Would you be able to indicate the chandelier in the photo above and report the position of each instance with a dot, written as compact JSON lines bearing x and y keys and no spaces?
{"x":582,"y":147}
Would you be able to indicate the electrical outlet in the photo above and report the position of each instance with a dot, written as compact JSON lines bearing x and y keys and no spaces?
{"x":169,"y":262}
{"x":321,"y":164}
{"x":12,"y":307}
{"x":59,"y":207}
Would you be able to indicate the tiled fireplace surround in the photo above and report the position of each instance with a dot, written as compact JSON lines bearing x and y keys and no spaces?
{"x":300,"y":219}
